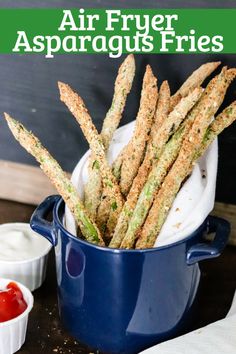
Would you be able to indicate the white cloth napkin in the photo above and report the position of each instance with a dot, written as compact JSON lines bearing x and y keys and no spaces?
{"x":216,"y":338}
{"x":193,"y":203}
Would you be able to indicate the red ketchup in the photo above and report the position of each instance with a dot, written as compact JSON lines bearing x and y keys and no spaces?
{"x":12,"y":302}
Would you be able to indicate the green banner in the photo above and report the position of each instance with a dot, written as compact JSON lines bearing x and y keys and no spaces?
{"x":117,"y":31}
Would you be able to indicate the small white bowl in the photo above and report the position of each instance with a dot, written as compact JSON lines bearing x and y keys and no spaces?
{"x":13,"y":332}
{"x":31,"y":270}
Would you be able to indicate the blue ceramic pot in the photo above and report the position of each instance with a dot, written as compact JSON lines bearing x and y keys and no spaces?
{"x":123,"y":301}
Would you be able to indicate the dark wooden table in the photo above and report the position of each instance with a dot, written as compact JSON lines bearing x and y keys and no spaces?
{"x":45,"y":333}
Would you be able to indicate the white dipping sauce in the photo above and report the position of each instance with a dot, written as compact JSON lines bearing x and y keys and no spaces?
{"x":18,"y":242}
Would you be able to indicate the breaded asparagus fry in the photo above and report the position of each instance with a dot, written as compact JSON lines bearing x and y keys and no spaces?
{"x":123,"y":86}
{"x":212,"y":99}
{"x":127,"y":218}
{"x":160,"y":116}
{"x":148,"y":89}
{"x":154,"y":141}
{"x":116,"y":166}
{"x":172,"y":122}
{"x":77,"y":107}
{"x":134,"y":150}
{"x":195,"y":79}
{"x":154,"y":151}
{"x":58,"y":178}
{"x":160,"y":120}
{"x":93,"y":188}
{"x":174,"y":100}
{"x":123,"y":83}
{"x":103,"y":213}
{"x":162,"y":110}
{"x":153,"y":183}
{"x":222,"y":121}
{"x":162,"y":107}
{"x":103,"y":210}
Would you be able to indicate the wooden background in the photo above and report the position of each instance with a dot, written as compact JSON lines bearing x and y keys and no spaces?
{"x":28,"y":91}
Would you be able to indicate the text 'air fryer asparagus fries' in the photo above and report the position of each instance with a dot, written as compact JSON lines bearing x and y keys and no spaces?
{"x":126,"y":204}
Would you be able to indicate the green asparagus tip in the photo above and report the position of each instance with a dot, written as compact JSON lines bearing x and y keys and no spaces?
{"x":12,"y":123}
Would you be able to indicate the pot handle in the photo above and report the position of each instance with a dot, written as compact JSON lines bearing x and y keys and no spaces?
{"x":202,"y":250}
{"x":38,"y":220}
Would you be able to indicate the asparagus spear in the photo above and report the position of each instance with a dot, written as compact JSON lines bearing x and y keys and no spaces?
{"x":183,"y":164}
{"x":132,"y":214}
{"x":123,"y":86}
{"x":162,"y":110}
{"x":195,"y":80}
{"x":160,"y":169}
{"x":132,"y":153}
{"x":159,"y":118}
{"x":162,"y":206}
{"x":123,"y":83}
{"x":171,"y":123}
{"x":222,"y":121}
{"x":77,"y":107}
{"x":160,"y":115}
{"x":116,"y":166}
{"x":154,"y":150}
{"x":174,"y":100}
{"x":135,"y":149}
{"x":58,"y":177}
{"x":201,"y":112}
